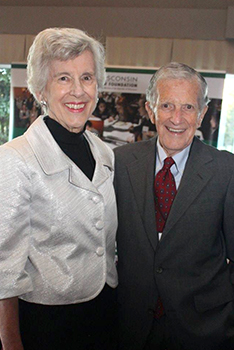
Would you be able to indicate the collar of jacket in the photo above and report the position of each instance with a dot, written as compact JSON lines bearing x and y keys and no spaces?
{"x":53,"y":160}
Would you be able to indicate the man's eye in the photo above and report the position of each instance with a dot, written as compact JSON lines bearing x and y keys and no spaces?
{"x":188,"y":107}
{"x":167,"y":106}
{"x":87,"y":77}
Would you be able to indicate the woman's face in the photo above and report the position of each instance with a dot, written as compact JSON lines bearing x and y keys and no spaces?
{"x":71,"y":91}
{"x":102,"y":107}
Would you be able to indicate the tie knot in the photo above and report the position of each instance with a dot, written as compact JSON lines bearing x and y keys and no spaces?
{"x":168,"y":162}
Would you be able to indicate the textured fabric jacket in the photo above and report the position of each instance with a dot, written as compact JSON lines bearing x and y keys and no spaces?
{"x":57,"y":228}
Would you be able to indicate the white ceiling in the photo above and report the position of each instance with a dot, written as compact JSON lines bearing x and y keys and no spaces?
{"x":190,"y":4}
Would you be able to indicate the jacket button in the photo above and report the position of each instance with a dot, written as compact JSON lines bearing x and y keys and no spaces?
{"x":99,"y":225}
{"x":159,"y":270}
{"x":96,"y":199}
{"x":100,"y":251}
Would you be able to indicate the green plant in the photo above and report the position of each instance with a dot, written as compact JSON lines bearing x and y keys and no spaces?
{"x":5,"y":77}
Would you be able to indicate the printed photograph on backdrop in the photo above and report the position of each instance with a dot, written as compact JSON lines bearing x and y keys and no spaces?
{"x":26,"y":110}
{"x":120,"y":118}
{"x":210,"y":125}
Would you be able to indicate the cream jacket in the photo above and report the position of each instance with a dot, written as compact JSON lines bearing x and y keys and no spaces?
{"x":57,"y":228}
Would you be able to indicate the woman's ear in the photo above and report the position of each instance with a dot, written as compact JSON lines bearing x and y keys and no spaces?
{"x":39,"y":96}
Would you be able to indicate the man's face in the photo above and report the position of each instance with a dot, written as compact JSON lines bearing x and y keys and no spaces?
{"x":176,"y":113}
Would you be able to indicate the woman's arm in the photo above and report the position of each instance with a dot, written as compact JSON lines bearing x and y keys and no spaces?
{"x":9,"y":324}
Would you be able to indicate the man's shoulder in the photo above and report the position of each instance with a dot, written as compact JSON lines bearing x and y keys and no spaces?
{"x":139,"y":147}
{"x":220,"y":156}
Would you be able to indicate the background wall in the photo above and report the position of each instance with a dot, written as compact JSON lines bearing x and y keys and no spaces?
{"x":199,"y":35}
{"x":206,"y":24}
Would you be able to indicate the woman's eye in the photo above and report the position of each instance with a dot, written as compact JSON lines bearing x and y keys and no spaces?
{"x":63,"y":78}
{"x":88,"y":78}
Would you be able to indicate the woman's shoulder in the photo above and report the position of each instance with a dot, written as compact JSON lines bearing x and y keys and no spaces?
{"x":15,"y":146}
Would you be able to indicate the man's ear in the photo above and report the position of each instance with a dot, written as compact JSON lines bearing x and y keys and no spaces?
{"x":150,"y":112}
{"x":201,"y":116}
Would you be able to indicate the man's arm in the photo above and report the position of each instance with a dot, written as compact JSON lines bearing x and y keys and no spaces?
{"x":9,"y":324}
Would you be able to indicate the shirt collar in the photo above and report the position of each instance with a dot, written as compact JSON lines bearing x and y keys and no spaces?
{"x":180,"y":158}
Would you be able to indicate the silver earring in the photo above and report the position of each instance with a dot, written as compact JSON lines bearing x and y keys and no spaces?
{"x":43,"y":103}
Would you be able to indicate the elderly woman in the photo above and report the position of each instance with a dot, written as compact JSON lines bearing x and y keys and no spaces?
{"x":58,"y":210}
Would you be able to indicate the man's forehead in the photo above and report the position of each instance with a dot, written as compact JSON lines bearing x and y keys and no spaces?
{"x":170,"y":81}
{"x":178,"y":88}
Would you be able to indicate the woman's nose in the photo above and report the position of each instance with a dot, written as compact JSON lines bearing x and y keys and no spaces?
{"x":77,"y":87}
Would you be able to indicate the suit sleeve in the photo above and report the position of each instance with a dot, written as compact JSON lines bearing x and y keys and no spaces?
{"x":228,"y":224}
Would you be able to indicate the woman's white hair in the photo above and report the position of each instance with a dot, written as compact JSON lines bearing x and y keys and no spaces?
{"x":176,"y":70}
{"x":60,"y":44}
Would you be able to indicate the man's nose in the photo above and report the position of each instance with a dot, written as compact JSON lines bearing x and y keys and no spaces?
{"x":177,"y":115}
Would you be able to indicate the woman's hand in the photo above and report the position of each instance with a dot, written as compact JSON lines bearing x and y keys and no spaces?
{"x":9,"y":325}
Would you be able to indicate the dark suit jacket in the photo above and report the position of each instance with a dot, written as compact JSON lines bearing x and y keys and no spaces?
{"x":188,"y":267}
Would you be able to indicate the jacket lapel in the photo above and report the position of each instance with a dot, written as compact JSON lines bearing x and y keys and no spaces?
{"x":141,"y":173}
{"x":196,"y":176}
{"x":53,"y":160}
{"x":104,"y":165}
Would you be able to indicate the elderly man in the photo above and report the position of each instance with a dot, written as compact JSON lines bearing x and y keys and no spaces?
{"x":176,"y":228}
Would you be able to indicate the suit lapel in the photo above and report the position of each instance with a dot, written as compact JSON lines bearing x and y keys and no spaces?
{"x":196,"y":176}
{"x":141,"y":173}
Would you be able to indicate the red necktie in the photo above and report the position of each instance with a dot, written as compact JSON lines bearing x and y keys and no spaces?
{"x":165,"y":191}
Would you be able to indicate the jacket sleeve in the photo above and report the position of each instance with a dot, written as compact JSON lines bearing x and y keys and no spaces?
{"x":228,"y":225}
{"x":15,"y":188}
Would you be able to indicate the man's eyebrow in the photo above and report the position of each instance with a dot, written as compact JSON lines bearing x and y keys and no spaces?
{"x":89,"y":72}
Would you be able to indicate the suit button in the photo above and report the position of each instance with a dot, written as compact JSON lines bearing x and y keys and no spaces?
{"x":159,"y":270}
{"x":151,"y":311}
